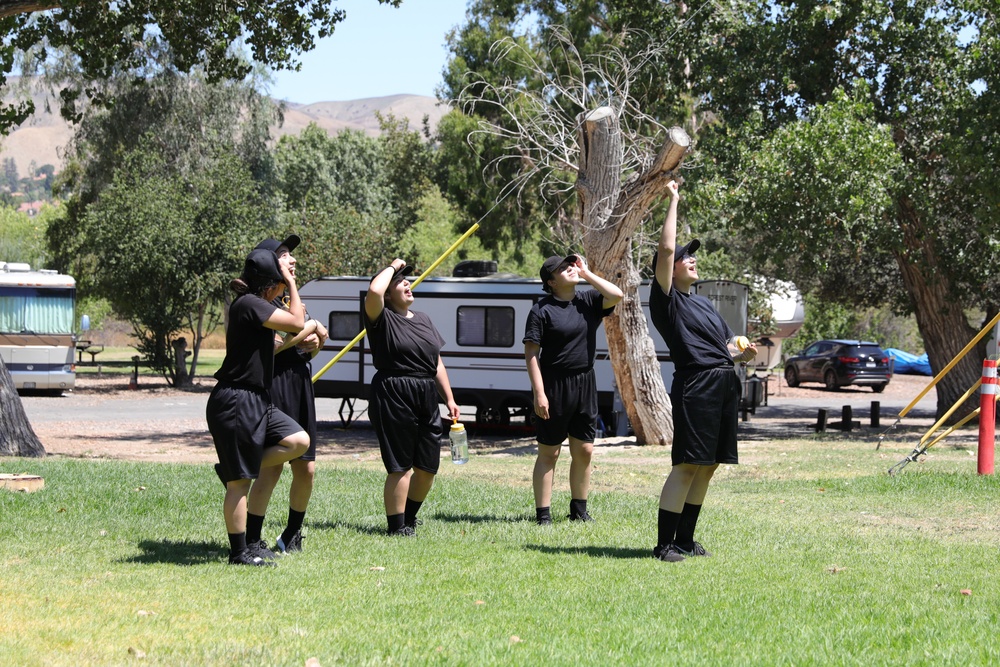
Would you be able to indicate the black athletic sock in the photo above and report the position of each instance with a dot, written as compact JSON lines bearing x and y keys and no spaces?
{"x":577,"y":507}
{"x":543,"y":514}
{"x":295,"y":520}
{"x":395,"y":521}
{"x":255,"y":524}
{"x":237,"y":543}
{"x":666,"y":526}
{"x":410,"y":514}
{"x":685,"y":527}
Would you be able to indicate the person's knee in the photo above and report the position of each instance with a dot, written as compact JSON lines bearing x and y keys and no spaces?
{"x":298,"y":443}
{"x":548,"y":455}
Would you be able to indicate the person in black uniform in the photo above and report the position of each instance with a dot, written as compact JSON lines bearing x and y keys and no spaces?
{"x":560,"y":342}
{"x":705,"y":394}
{"x":292,"y":393}
{"x":403,"y":402}
{"x":249,"y":433}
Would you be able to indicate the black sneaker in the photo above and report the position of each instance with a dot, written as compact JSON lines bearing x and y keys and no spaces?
{"x":405,"y":531}
{"x":294,"y":543}
{"x":582,"y":516}
{"x":414,"y":522}
{"x":692,"y":549}
{"x":245,"y":557}
{"x":668,"y":553}
{"x":544,"y":521}
{"x":260,"y":549}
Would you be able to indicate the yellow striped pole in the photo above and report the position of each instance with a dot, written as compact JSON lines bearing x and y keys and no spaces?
{"x":420,"y":278}
{"x":951,"y":364}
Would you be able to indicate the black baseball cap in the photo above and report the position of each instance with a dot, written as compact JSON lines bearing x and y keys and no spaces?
{"x":261,"y":266}
{"x":689,"y":249}
{"x":550,"y":265}
{"x":291,"y":242}
{"x":397,"y":273}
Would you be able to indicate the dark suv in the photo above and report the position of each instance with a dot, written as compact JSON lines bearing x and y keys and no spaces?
{"x":837,"y":363}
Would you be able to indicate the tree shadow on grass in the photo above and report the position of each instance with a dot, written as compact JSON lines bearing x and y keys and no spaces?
{"x":363,"y":528}
{"x":482,"y":518}
{"x":594,"y":552}
{"x":178,"y":553}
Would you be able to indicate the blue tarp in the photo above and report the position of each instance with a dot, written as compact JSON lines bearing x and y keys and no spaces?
{"x":909,"y":364}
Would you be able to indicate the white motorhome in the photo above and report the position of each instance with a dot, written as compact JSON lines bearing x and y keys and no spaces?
{"x":482,"y":321}
{"x":37,"y":341}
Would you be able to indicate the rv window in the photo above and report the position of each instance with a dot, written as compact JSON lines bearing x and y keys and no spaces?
{"x":345,"y":325}
{"x":486,"y":326}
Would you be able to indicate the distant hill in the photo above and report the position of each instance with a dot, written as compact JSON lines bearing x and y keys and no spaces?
{"x":43,"y":136}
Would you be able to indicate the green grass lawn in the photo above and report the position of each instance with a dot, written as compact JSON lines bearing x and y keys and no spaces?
{"x":819,"y":558}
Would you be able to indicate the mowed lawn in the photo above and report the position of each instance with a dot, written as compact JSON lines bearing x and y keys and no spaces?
{"x":819,"y":557}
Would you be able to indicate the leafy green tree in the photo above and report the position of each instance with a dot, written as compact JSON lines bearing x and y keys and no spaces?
{"x":22,"y":237}
{"x":864,"y":136}
{"x":169,"y":246}
{"x":105,"y":36}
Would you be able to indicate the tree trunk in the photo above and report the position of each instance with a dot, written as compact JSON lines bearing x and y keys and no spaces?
{"x":940,"y":318}
{"x":611,"y":215}
{"x":181,"y":377}
{"x":15,"y":7}
{"x":16,"y":435}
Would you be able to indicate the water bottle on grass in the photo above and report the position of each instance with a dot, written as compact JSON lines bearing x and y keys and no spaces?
{"x":459,"y":443}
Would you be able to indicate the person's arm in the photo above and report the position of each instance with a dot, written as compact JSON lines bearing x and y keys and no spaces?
{"x":295,"y":307}
{"x":375,"y":299}
{"x":668,"y":242}
{"x":314,"y":342}
{"x":612,"y":293}
{"x":308,"y":330}
{"x":444,"y":388}
{"x":531,"y":351}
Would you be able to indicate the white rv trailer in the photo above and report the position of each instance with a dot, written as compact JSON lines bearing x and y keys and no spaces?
{"x":37,"y":341}
{"x":482,"y":321}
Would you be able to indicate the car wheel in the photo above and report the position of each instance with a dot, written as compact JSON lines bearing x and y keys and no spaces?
{"x":879,"y":388}
{"x":830,"y":380}
{"x":791,"y":377}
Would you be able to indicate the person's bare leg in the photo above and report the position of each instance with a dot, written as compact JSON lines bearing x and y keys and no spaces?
{"x":544,"y":471}
{"x":421,"y":482}
{"x":397,"y":485}
{"x":581,"y":454}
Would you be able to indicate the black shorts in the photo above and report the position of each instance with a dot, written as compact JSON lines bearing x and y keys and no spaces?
{"x":706,"y":416}
{"x":572,"y":409}
{"x":243,"y":424}
{"x":292,"y":393}
{"x":404,"y":411}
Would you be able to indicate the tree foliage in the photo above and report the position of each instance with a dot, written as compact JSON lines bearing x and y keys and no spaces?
{"x":107,"y":36}
{"x":170,"y":185}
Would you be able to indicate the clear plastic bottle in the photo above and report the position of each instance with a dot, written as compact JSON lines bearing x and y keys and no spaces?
{"x":459,"y":443}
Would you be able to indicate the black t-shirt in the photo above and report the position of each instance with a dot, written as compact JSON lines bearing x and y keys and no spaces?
{"x":249,"y":344}
{"x":566,"y":331}
{"x":692,"y":328}
{"x":293,"y":356}
{"x":403,"y":345}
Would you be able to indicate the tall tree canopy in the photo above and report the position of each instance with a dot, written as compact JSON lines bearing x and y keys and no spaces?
{"x":845,"y":146}
{"x":106,"y":36}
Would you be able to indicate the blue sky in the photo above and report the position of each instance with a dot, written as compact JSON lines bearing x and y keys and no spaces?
{"x":377,"y":50}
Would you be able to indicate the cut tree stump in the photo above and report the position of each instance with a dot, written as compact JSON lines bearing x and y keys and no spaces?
{"x":21,"y":482}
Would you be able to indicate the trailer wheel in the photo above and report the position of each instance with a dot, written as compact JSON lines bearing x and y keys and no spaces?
{"x":491,"y":416}
{"x":518,"y":408}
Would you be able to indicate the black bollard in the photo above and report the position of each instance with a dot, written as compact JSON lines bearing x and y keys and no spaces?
{"x":876,"y":413}
{"x":848,"y":424}
{"x":821,"y":421}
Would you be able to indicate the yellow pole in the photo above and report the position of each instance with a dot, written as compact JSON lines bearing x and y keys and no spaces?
{"x":951,"y":364}
{"x":416,"y":282}
{"x":952,"y":409}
